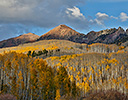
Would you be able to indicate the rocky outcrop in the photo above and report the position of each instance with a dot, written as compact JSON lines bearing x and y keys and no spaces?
{"x":127,"y":31}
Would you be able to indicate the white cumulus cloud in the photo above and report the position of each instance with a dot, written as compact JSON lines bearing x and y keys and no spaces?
{"x":75,"y":16}
{"x":123,"y":17}
{"x":75,"y":13}
{"x":100,"y":18}
{"x":113,"y":17}
{"x":102,"y":15}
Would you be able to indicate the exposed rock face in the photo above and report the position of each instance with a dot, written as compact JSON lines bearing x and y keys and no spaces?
{"x":92,"y":35}
{"x":127,"y":31}
{"x":110,"y":36}
{"x":29,"y":37}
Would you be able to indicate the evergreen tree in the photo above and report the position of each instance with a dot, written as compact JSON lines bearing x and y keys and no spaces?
{"x":29,"y":53}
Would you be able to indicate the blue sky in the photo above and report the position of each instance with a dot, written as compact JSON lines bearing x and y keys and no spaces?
{"x":112,"y":8}
{"x":39,"y":16}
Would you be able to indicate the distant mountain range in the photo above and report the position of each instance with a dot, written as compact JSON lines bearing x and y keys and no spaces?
{"x":62,"y":32}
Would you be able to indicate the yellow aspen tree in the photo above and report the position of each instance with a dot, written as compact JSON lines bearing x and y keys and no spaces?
{"x":87,"y":87}
{"x":57,"y":94}
{"x":74,"y":69}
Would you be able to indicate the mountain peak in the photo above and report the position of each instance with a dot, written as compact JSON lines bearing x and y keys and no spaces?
{"x":24,"y":38}
{"x":63,"y":26}
{"x":120,"y":28}
{"x":61,"y":32}
{"x":29,"y":34}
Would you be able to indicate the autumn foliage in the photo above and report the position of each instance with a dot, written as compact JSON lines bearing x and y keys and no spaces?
{"x":96,"y":71}
{"x":31,"y":79}
{"x":27,"y":76}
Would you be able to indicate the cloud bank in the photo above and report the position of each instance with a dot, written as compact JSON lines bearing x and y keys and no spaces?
{"x":42,"y":13}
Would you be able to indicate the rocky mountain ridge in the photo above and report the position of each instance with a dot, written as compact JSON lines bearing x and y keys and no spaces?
{"x":62,"y":32}
{"x":108,"y":36}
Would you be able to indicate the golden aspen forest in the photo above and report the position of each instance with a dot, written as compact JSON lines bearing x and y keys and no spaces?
{"x":63,"y":49}
{"x":64,"y":70}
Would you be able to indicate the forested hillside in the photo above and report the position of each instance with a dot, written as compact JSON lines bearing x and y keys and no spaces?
{"x":69,"y":76}
{"x":96,"y":71}
{"x":74,"y":75}
{"x":33,"y":79}
{"x":63,"y":70}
